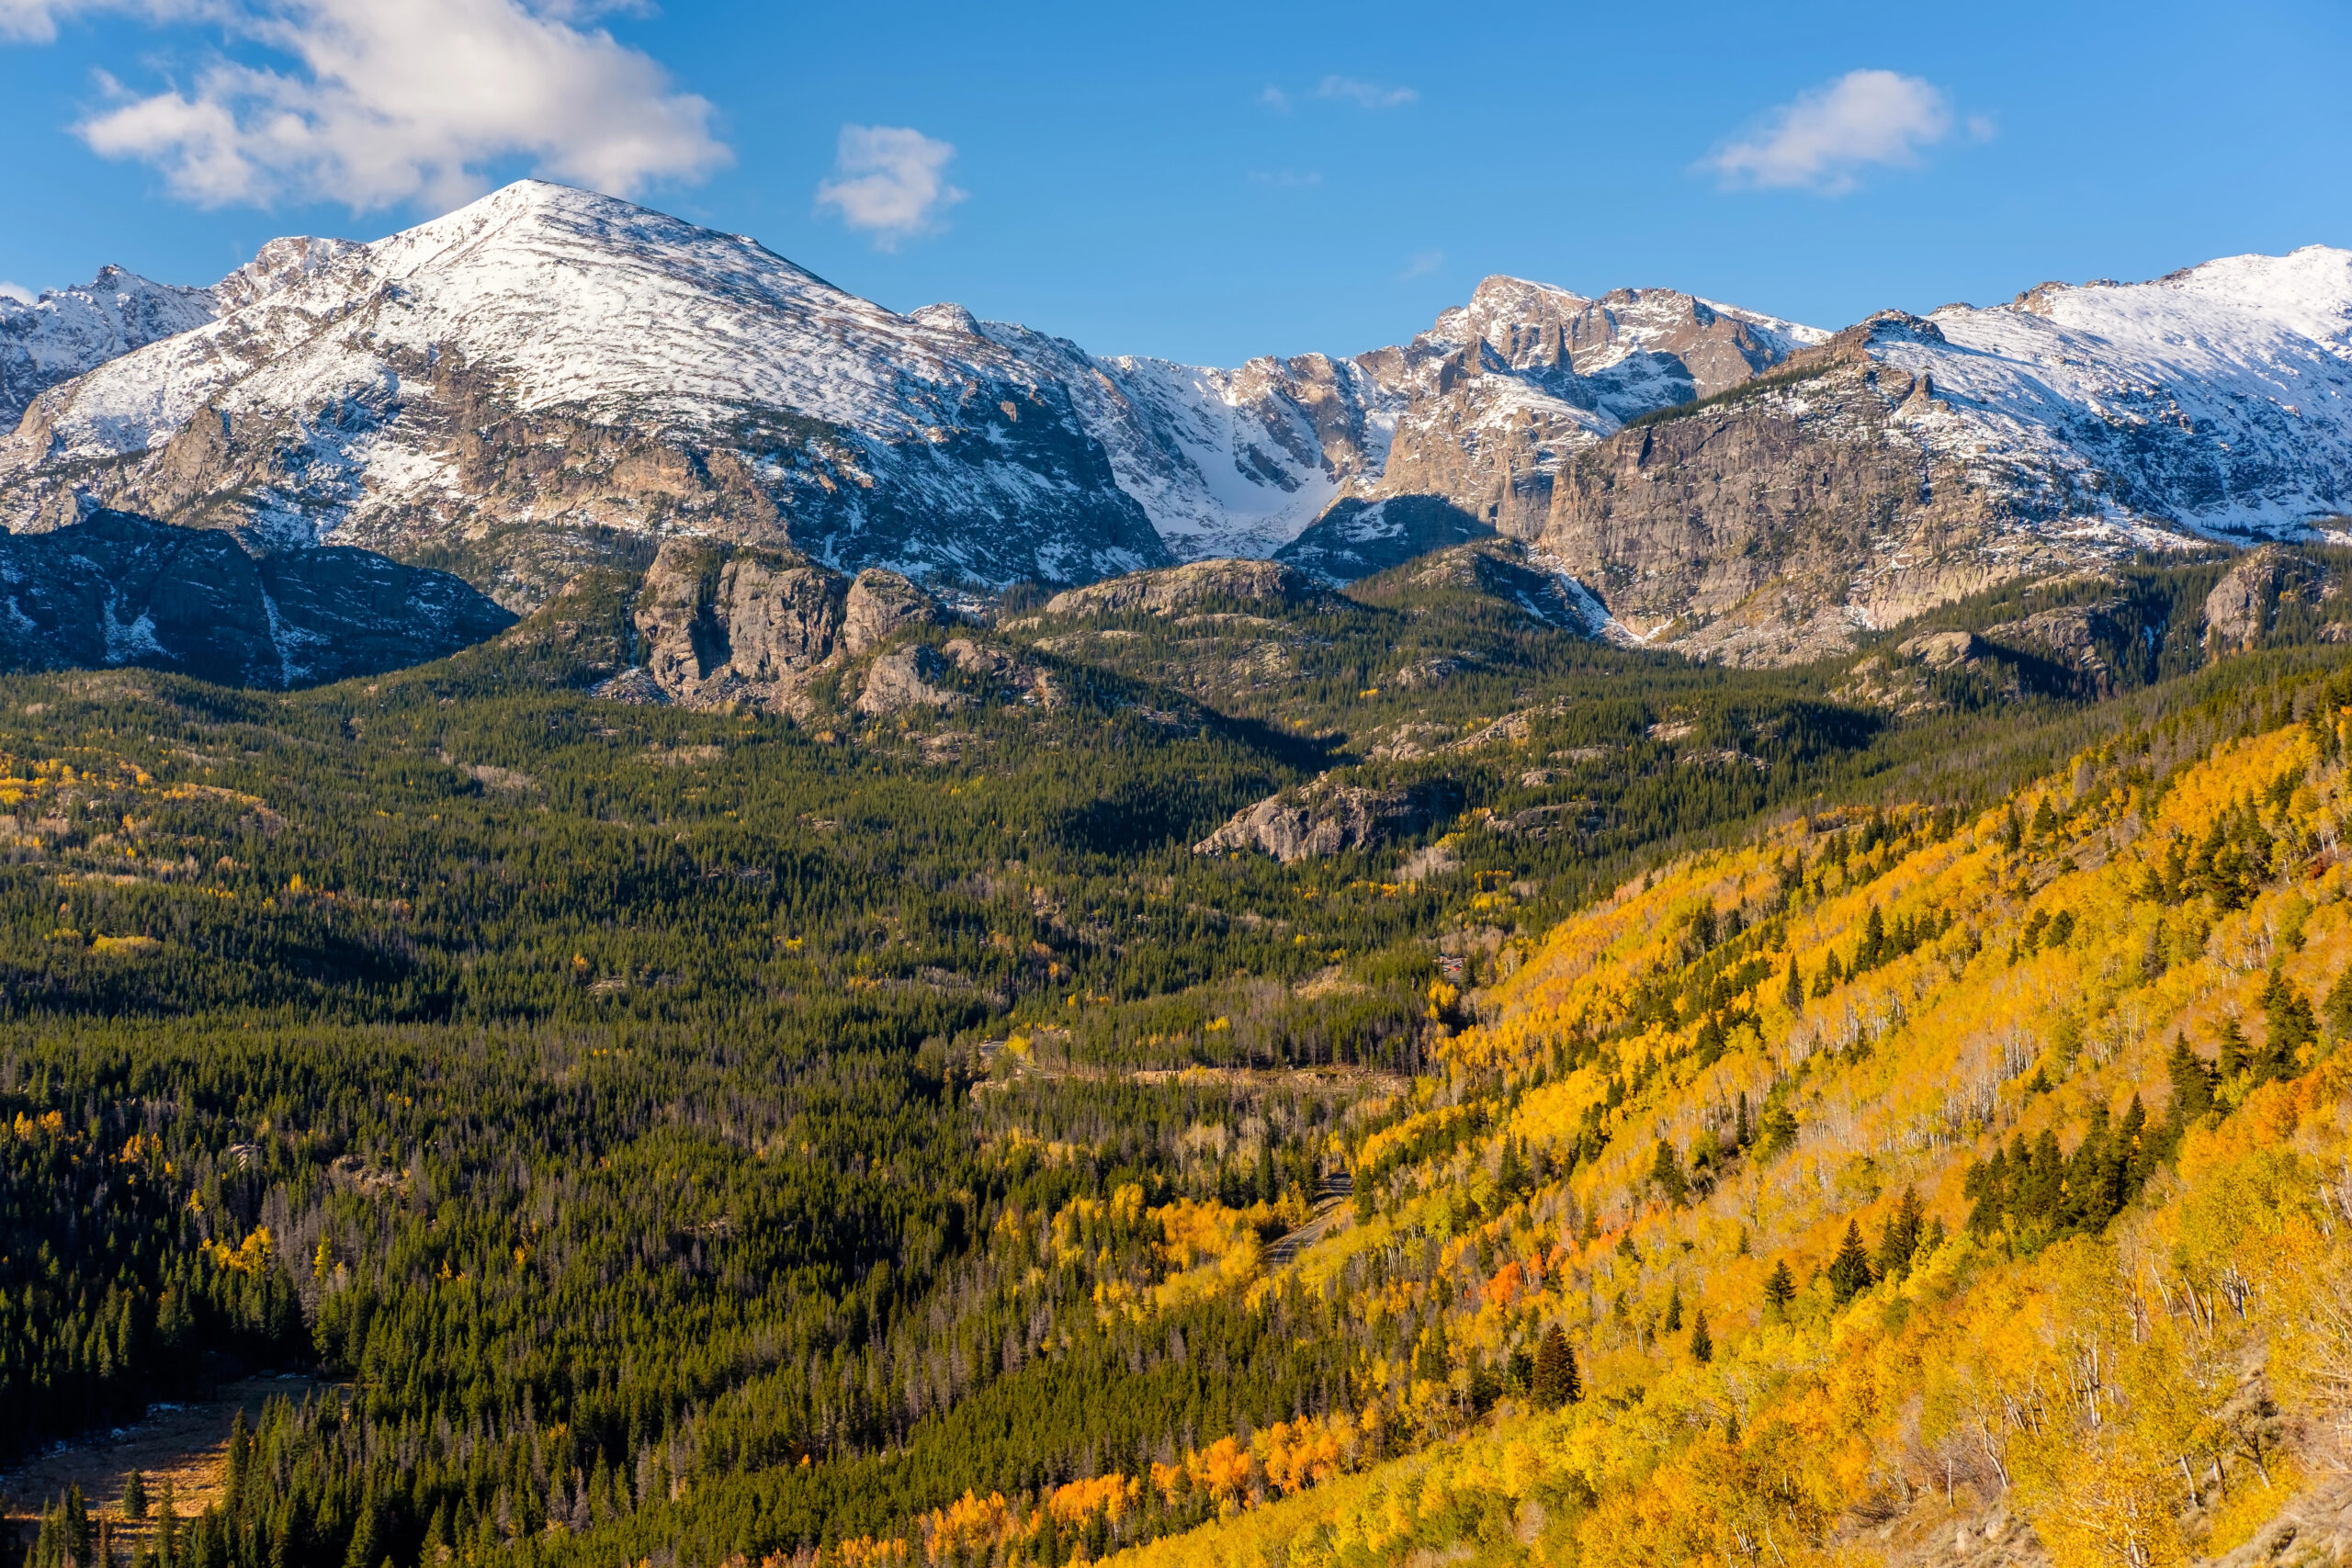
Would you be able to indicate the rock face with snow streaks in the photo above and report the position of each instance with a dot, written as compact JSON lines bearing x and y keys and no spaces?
{"x":1910,"y":461}
{"x":119,"y":590}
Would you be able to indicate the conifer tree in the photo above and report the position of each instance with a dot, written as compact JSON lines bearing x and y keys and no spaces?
{"x":1665,"y":1173}
{"x":1555,"y":1382}
{"x":2234,"y":1057}
{"x":2192,"y":1083}
{"x":1703,"y":1347}
{"x":1901,"y":1238}
{"x":366,"y":1545}
{"x":2288,"y":1026}
{"x":1849,"y":1271}
{"x":2337,"y":1008}
{"x":134,"y":1497}
{"x":1793,"y":989}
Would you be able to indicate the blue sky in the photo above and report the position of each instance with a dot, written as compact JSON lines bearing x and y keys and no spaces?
{"x":1211,"y":181}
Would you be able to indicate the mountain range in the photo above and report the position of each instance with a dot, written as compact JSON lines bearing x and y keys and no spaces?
{"x":549,"y":380}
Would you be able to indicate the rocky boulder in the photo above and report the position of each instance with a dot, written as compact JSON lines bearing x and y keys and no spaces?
{"x":1324,"y":819}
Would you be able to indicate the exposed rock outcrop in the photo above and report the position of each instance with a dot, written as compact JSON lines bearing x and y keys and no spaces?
{"x":719,"y":623}
{"x":1772,"y":527}
{"x":716,"y":624}
{"x":1174,"y":590}
{"x":2243,"y":606}
{"x":1324,"y":819}
{"x":2073,"y":641}
{"x":903,"y":680}
{"x":121,"y":590}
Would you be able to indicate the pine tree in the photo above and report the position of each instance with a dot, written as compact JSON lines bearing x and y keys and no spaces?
{"x":1433,"y":1362}
{"x":134,"y":1497}
{"x":1901,"y":1238}
{"x":2192,"y":1083}
{"x":365,"y":1547}
{"x":1674,"y":1309}
{"x":1555,"y":1382}
{"x":2288,"y":1026}
{"x":77,"y":1525}
{"x":1793,"y":989}
{"x":1849,"y":1271}
{"x":2337,"y":1008}
{"x":1511,"y":1180}
{"x":1665,"y":1173}
{"x":1703,"y":1347}
{"x":2233,"y":1053}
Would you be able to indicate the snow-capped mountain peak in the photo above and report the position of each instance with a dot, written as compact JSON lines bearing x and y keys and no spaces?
{"x":68,"y":331}
{"x":2217,"y":399}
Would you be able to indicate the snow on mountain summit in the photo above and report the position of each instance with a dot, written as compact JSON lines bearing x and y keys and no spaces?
{"x":2216,"y":399}
{"x":520,"y":385}
{"x":69,"y":330}
{"x":411,"y":393}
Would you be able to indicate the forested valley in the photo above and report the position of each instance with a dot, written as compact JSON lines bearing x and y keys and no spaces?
{"x":1758,"y":1122}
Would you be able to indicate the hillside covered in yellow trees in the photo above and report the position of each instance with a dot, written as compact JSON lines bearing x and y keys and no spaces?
{"x":1903,"y":1188}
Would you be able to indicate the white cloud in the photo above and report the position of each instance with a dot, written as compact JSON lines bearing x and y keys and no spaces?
{"x":891,"y":181}
{"x":1272,"y":96}
{"x":1820,"y":140}
{"x":1423,"y":263}
{"x":1365,"y":95}
{"x":17,"y":291}
{"x":385,"y":102}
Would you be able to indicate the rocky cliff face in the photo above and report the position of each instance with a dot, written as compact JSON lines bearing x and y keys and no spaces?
{"x":2243,"y":606}
{"x":1502,"y":392}
{"x":1768,"y":529}
{"x":121,"y":590}
{"x":716,"y":624}
{"x":1477,"y":414}
{"x":1911,"y":460}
